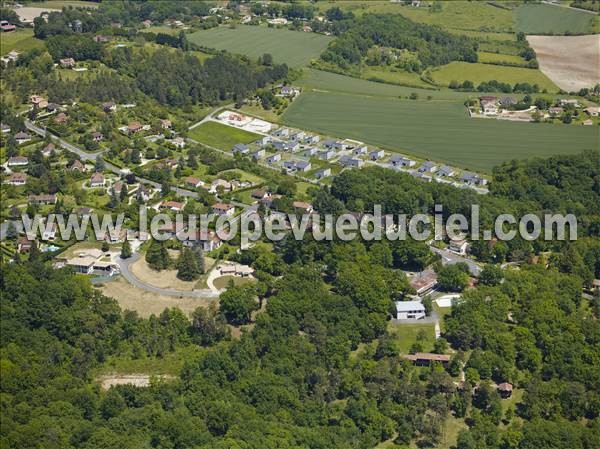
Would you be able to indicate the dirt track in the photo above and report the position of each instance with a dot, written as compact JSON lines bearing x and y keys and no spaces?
{"x":572,"y":62}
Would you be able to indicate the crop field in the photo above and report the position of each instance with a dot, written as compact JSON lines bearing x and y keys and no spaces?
{"x":440,"y":130}
{"x":21,"y":40}
{"x":487,"y":57}
{"x":461,"y":71}
{"x":221,"y":136}
{"x":547,"y":19}
{"x":295,"y":48}
{"x":394,"y":77}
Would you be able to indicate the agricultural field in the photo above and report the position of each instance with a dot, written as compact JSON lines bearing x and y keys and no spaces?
{"x":21,"y":40}
{"x":478,"y":73}
{"x":295,"y":48}
{"x":434,"y":129}
{"x":221,"y":136}
{"x":401,"y":77}
{"x":486,"y":57}
{"x":547,"y":19}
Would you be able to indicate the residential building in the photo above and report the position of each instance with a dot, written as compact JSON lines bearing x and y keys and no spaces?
{"x":258,"y":154}
{"x":191,"y":181}
{"x":178,"y":142}
{"x":263,"y":141}
{"x":574,"y":103}
{"x":281,"y":132}
{"x":220,"y":185}
{"x":427,"y":358}
{"x":505,"y":390}
{"x":292,"y":145}
{"x":312,"y":139}
{"x":507,"y":102}
{"x":97,"y":180}
{"x":240,"y":148}
{"x":593,"y":111}
{"x":174,"y":206}
{"x":273,"y":158}
{"x":310,"y":151}
{"x":297,"y":136}
{"x":207,"y":240}
{"x":427,"y":167}
{"x":17,"y":161}
{"x":401,"y":161}
{"x":489,"y":105}
{"x":223,"y":209}
{"x":327,"y":155}
{"x":472,"y":179}
{"x":289,"y":165}
{"x":446,"y":172}
{"x":77,"y":165}
{"x":48,"y":150}
{"x":289,"y":91}
{"x":61,"y":118}
{"x":303,"y":166}
{"x":302,"y":207}
{"x":556,"y":110}
{"x":323,"y":173}
{"x":5,"y":128}
{"x":165,"y":124}
{"x":459,"y":246}
{"x":424,"y":282}
{"x":17,"y":179}
{"x":97,"y":136}
{"x":260,"y":194}
{"x":24,"y":245}
{"x":410,"y":310}
{"x":42,"y":199}
{"x":52,"y":107}
{"x":67,"y":63}
{"x":348,"y":161}
{"x":22,"y":137}
{"x":360,"y":150}
{"x":109,"y":106}
{"x":376,"y":155}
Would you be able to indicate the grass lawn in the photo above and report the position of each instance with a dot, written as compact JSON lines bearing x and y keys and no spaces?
{"x":478,"y":73}
{"x":394,"y":77}
{"x":405,"y":335}
{"x":221,"y":136}
{"x":295,"y":48}
{"x":495,"y":58}
{"x":59,"y":4}
{"x":223,"y":281}
{"x":242,"y":175}
{"x":438,"y":130}
{"x":548,"y":19}
{"x":21,"y":40}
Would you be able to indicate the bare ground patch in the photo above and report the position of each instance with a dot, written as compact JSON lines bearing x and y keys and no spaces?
{"x":572,"y":62}
{"x":146,"y":303}
{"x":160,"y":279}
{"x":137,"y":380}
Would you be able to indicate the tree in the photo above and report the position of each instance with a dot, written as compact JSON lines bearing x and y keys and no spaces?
{"x":99,"y":164}
{"x":491,"y":275}
{"x":208,"y":326}
{"x":157,"y":256}
{"x":126,"y":250}
{"x":187,"y":266}
{"x":453,"y":278}
{"x":200,"y":259}
{"x":11,"y":231}
{"x":237,"y":304}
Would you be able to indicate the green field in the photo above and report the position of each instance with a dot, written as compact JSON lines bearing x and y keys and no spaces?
{"x":487,"y":57}
{"x":59,"y":4}
{"x":221,"y":136}
{"x":478,"y":73}
{"x":440,"y":130}
{"x":394,"y":77}
{"x":21,"y":40}
{"x":547,"y":19}
{"x":405,"y":335}
{"x":295,"y":48}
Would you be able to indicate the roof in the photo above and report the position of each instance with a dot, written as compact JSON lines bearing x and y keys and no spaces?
{"x":18,"y":177}
{"x":223,"y":206}
{"x":302,"y":205}
{"x":505,"y":386}
{"x":97,"y":177}
{"x":81,"y":261}
{"x":302,"y":164}
{"x":172,"y":204}
{"x":21,"y":135}
{"x":407,"y":306}
{"x":192,"y":180}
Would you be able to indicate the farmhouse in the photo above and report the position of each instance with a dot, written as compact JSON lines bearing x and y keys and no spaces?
{"x":17,"y":161}
{"x":22,"y":137}
{"x":409,"y":310}
{"x":376,"y":155}
{"x":489,"y":105}
{"x":401,"y":161}
{"x":17,"y":179}
{"x":323,"y":173}
{"x":223,"y":209}
{"x":97,"y":180}
{"x":426,"y":358}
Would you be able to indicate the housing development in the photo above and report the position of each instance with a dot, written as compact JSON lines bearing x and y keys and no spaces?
{"x":147,"y":148}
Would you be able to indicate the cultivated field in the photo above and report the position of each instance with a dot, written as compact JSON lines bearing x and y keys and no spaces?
{"x":572,"y":62}
{"x":221,"y":136}
{"x":547,"y":19}
{"x":295,"y":48}
{"x":21,"y":40}
{"x":440,"y":130}
{"x":488,"y":57}
{"x":401,"y":77}
{"x":478,"y":73}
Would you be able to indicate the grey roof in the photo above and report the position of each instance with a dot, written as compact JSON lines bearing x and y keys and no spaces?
{"x":303,"y":164}
{"x":407,"y":306}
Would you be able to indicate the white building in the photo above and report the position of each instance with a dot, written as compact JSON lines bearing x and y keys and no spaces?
{"x":409,"y":310}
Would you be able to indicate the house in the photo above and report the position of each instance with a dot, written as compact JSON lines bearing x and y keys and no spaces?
{"x":263,"y":141}
{"x":593,"y":111}
{"x":118,"y":187}
{"x":489,"y":105}
{"x":427,"y":167}
{"x":97,"y":180}
{"x":84,"y":211}
{"x":337,"y":145}
{"x":259,"y":194}
{"x":280,"y":146}
{"x":134,"y":127}
{"x":376,"y":155}
{"x":77,"y":166}
{"x":147,"y":23}
{"x":360,"y":150}
{"x":289,"y":91}
{"x":401,"y":161}
{"x":191,"y":181}
{"x":42,"y":199}
{"x":472,"y":179}
{"x":240,"y":148}
{"x":38,"y":102}
{"x":223,"y":209}
{"x":459,"y":246}
{"x":165,"y":123}
{"x":81,"y":265}
{"x":573,"y":103}
{"x":298,"y":136}
{"x":174,"y":206}
{"x":410,"y":310}
{"x":109,"y":106}
{"x":22,"y":137}
{"x":348,"y":161}
{"x":17,"y":179}
{"x":17,"y":161}
{"x":273,"y":158}
{"x":507,"y":102}
{"x":52,"y":107}
{"x":505,"y":390}
{"x":556,"y":110}
{"x":303,"y":166}
{"x":143,"y":194}
{"x":48,"y":150}
{"x":281,"y":132}
{"x":323,"y":173}
{"x":310,"y":151}
{"x":258,"y":154}
{"x":446,"y":172}
{"x":115,"y":235}
{"x":327,"y":155}
{"x":207,"y":240}
{"x":178,"y":142}
{"x":61,"y":118}
{"x":587,"y":122}
{"x":312,"y":139}
{"x":24,"y":245}
{"x":268,"y":200}
{"x":302,"y":207}
{"x":97,"y":136}
{"x":289,"y":165}
{"x":67,"y":63}
{"x":220,"y":184}
{"x":427,"y":358}
{"x":424,"y":282}
{"x":5,"y":128}
{"x":100,"y":38}
{"x":292,"y":145}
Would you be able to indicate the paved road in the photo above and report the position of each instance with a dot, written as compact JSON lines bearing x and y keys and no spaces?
{"x":448,"y":257}
{"x":124,"y":265}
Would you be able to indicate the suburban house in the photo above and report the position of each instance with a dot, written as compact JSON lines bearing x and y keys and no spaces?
{"x":178,"y":142}
{"x":115,"y":235}
{"x":263,"y":141}
{"x":109,"y":106}
{"x":297,"y":136}
{"x":174,"y":206}
{"x":424,"y":282}
{"x":489,"y":105}
{"x":459,"y":246}
{"x":323,"y":173}
{"x":505,"y":390}
{"x":67,"y":63}
{"x":292,"y":145}
{"x":220,"y":184}
{"x":97,"y":180}
{"x":223,"y":209}
{"x":312,"y":139}
{"x":240,"y":148}
{"x":259,"y":194}
{"x":376,"y":155}
{"x":77,"y":165}
{"x":258,"y":154}
{"x":24,"y":244}
{"x":118,"y":187}
{"x":134,"y":127}
{"x":90,"y":262}
{"x":327,"y":155}
{"x":165,"y":123}
{"x":191,"y":181}
{"x":281,"y":132}
{"x":409,"y":310}
{"x":352,"y":162}
{"x":38,"y":102}
{"x":303,"y":166}
{"x":302,"y":207}
{"x":446,"y":172}
{"x":17,"y":161}
{"x":5,"y":128}
{"x":274,"y":158}
{"x":22,"y":137}
{"x":48,"y":150}
{"x":17,"y":179}
{"x":427,"y":358}
{"x":427,"y":167}
{"x":401,"y":161}
{"x":473,"y":179}
{"x":97,"y":136}
{"x":555,"y":110}
{"x":207,"y":240}
{"x":360,"y":150}
{"x":42,"y":199}
{"x":593,"y":111}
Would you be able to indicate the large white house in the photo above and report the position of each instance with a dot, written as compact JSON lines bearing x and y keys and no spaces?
{"x":407,"y":310}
